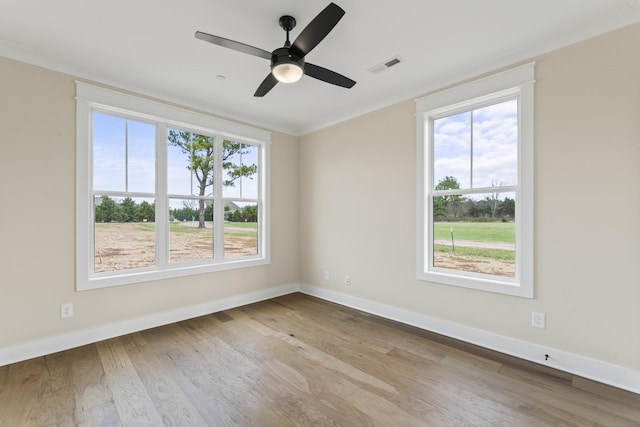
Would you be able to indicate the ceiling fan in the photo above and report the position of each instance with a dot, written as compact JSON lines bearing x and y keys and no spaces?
{"x":287,"y":63}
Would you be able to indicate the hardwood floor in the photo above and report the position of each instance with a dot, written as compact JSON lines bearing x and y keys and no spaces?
{"x":297,"y":360}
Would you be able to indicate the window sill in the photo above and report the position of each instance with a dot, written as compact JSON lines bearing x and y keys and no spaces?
{"x":110,"y":279}
{"x":479,"y":282}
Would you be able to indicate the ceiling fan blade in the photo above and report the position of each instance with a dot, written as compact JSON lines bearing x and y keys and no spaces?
{"x":231,"y":44}
{"x":267,"y":84}
{"x":328,"y":76}
{"x":317,"y":30}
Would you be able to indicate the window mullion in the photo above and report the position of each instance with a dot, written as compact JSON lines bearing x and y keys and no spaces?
{"x":162,"y":201}
{"x":218,"y":204}
{"x":262,"y":215}
{"x":126,"y":156}
{"x":471,"y":153}
{"x":479,"y":190}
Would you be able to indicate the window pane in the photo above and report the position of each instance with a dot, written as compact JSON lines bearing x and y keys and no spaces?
{"x":123,"y":154}
{"x":190,"y":163}
{"x":495,"y":145}
{"x":190,"y":230}
{"x":452,"y":149}
{"x":240,"y":229}
{"x":141,"y":153}
{"x":109,"y":152}
{"x":240,"y":174}
{"x":481,"y":239}
{"x":124,"y":233}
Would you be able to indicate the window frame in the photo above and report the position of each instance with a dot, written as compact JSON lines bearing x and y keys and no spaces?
{"x":516,"y":83}
{"x":90,"y":98}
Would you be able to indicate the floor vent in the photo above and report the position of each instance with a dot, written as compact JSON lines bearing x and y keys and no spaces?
{"x":376,"y":69}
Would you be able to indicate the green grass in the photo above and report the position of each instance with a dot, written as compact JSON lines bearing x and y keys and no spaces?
{"x":498,"y":254}
{"x":176,"y":227}
{"x":142,"y":226}
{"x":504,"y":232}
{"x":248,"y":229}
{"x":247,"y":225}
{"x":146,"y":226}
{"x":237,"y":229}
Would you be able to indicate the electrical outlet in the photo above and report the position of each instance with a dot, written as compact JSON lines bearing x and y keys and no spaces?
{"x":538,"y":320}
{"x":326,"y":275}
{"x":347,"y":280}
{"x":66,"y":310}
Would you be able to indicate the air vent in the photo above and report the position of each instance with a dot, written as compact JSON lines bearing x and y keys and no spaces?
{"x":376,"y":69}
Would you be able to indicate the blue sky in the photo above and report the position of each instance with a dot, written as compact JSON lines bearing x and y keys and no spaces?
{"x":109,"y":158}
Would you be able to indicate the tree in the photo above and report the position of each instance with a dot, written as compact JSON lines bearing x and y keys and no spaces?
{"x":108,"y":211}
{"x":187,"y":212}
{"x":145,"y":211}
{"x":234,"y":171}
{"x":494,"y":198}
{"x":200,"y":152}
{"x":128,"y":209}
{"x":445,"y":205}
{"x":199,"y":149}
{"x":250,"y":213}
{"x":508,"y":207}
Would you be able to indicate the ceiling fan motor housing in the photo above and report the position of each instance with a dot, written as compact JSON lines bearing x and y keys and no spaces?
{"x":282,"y":57}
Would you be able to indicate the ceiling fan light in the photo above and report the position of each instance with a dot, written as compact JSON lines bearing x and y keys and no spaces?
{"x":287,"y":72}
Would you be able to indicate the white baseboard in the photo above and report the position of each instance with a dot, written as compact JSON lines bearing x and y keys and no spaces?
{"x":596,"y":370}
{"x":51,"y":345}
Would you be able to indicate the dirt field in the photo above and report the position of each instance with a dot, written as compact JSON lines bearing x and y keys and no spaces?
{"x":122,"y":246}
{"x":474,"y":264}
{"x":125,"y":246}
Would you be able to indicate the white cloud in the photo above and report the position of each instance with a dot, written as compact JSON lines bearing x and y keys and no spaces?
{"x":494,"y":147}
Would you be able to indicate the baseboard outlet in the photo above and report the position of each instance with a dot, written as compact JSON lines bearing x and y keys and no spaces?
{"x":585,"y":367}
{"x":55,"y":344}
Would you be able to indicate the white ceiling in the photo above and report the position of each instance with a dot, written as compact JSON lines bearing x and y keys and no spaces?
{"x":148,"y":46}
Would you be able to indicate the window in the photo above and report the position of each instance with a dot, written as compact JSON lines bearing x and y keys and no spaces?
{"x":475,"y":184}
{"x":165,"y":192}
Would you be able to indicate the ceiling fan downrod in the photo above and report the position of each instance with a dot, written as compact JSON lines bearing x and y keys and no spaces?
{"x":287,"y":23}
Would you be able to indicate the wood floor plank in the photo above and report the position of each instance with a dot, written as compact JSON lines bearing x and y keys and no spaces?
{"x":130,"y":397}
{"x":337,"y":390}
{"x":56,"y":399}
{"x":105,"y":415}
{"x":113,"y":355}
{"x":134,"y":404}
{"x":166,"y":338}
{"x":296,"y":360}
{"x":299,"y":323}
{"x":20,"y":394}
{"x":202,"y":327}
{"x":173,"y":406}
{"x":133,"y":340}
{"x":606,"y":391}
{"x":94,"y":402}
{"x":197,"y":380}
{"x":236,"y":373}
{"x":301,"y":408}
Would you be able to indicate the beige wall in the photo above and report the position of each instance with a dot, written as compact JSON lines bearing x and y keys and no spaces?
{"x":358,"y":204}
{"x":37,"y":214}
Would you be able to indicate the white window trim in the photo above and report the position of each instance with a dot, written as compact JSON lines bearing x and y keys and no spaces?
{"x":519,"y":83}
{"x":90,"y":98}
